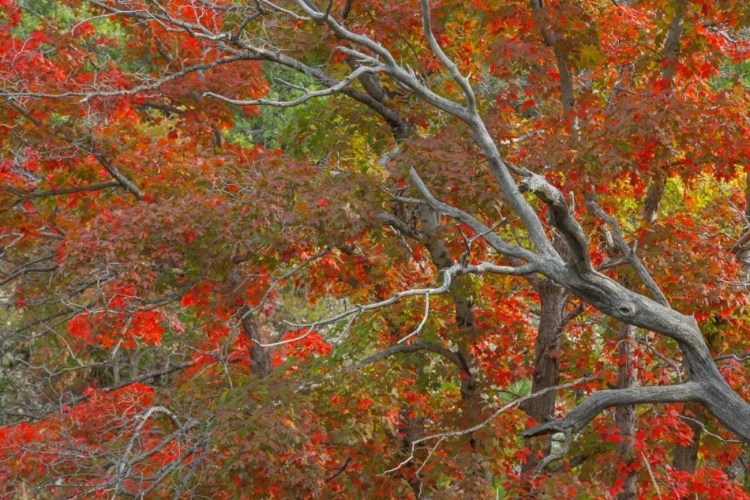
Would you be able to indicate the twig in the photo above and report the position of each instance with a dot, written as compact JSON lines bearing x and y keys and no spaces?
{"x":462,"y":81}
{"x":651,"y":473}
{"x":339,"y":470}
{"x":421,"y":323}
{"x":470,"y":430}
{"x":553,"y":457}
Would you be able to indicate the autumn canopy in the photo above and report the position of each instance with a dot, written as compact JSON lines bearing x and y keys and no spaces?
{"x":340,"y":249}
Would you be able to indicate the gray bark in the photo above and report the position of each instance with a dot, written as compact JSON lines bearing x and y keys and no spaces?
{"x":611,"y":298}
{"x":625,"y":418}
{"x":575,"y":272}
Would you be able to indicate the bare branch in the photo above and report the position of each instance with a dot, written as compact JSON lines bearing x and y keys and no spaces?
{"x":59,"y":192}
{"x":628,"y":253}
{"x":584,"y":413}
{"x":401,"y":75}
{"x":561,"y":218}
{"x":278,"y":280}
{"x":672,"y":363}
{"x":736,"y":357}
{"x":114,"y":172}
{"x":452,"y":356}
{"x":27,"y":269}
{"x":704,"y":430}
{"x":470,"y":430}
{"x":557,"y":455}
{"x":400,"y":226}
{"x":339,"y":470}
{"x":421,"y":324}
{"x":491,"y":238}
{"x":447,"y":273}
{"x":462,"y":81}
{"x":334,"y":89}
{"x":152,"y":85}
{"x":488,"y":267}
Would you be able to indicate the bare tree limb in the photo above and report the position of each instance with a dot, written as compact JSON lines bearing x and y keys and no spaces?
{"x":628,"y":253}
{"x":446,"y":353}
{"x":491,"y":238}
{"x":334,"y":89}
{"x":585,"y":412}
{"x":59,"y":192}
{"x":462,"y":81}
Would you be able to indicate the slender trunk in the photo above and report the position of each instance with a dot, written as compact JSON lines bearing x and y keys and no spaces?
{"x":686,"y":457}
{"x":553,"y":299}
{"x":260,"y":361}
{"x":463,"y":307}
{"x":468,"y":335}
{"x":625,"y":418}
{"x":653,"y":199}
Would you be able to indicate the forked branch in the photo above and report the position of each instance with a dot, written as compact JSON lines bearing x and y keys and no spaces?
{"x":627,"y":252}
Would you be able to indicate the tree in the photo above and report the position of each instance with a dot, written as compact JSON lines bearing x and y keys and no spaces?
{"x":373,"y":249}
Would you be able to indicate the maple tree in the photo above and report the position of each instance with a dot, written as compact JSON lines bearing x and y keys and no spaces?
{"x":372,"y":249}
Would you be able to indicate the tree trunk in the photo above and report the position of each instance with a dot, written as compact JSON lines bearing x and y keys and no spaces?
{"x":553,"y":299}
{"x":686,"y":457}
{"x":463,"y":307}
{"x":471,"y":401}
{"x":625,"y":418}
{"x":260,"y":361}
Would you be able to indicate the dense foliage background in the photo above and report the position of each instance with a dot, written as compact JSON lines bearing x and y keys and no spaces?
{"x":230,"y":266}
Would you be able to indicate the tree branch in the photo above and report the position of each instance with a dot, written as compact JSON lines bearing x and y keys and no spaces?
{"x":59,"y":192}
{"x":114,"y":172}
{"x":491,"y":238}
{"x":628,"y":253}
{"x":580,"y":416}
{"x":561,"y":218}
{"x":338,"y":87}
{"x":446,"y":353}
{"x":462,"y":81}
